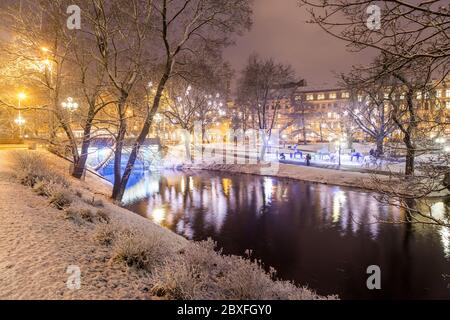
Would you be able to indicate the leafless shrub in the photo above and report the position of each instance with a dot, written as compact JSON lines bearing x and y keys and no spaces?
{"x":79,"y":194}
{"x":45,"y":188}
{"x":73,"y":214}
{"x":61,"y":199}
{"x":98,"y":203}
{"x":137,"y":250}
{"x":31,"y":168}
{"x":105,"y":234}
{"x":198,"y":272}
{"x":82,"y":214}
{"x":103,"y":216}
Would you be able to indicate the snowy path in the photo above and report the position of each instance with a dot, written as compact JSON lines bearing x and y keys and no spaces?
{"x":37,"y":245}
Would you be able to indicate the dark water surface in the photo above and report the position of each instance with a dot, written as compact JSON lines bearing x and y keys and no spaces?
{"x":316,"y":235}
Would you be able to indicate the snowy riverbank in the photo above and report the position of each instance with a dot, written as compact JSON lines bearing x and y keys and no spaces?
{"x":62,"y":238}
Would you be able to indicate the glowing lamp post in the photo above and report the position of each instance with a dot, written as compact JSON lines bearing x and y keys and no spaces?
{"x":339,"y":145}
{"x":71,"y":106}
{"x":20,"y":121}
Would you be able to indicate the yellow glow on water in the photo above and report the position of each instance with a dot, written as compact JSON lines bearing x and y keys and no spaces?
{"x":268,"y":189}
{"x":191,"y":184}
{"x":226,"y":185}
{"x":338,"y":199}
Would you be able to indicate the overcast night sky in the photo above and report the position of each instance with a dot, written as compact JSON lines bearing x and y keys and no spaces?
{"x":280,"y":31}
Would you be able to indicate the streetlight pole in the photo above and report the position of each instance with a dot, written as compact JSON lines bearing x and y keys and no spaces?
{"x":20,"y":121}
{"x":71,"y":106}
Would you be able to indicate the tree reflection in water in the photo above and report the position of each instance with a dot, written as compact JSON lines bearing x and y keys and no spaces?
{"x":317,"y":235}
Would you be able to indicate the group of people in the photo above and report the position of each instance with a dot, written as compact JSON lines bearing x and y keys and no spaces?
{"x":296,"y":153}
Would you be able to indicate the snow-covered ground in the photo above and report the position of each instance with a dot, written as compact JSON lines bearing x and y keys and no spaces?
{"x":352,"y":172}
{"x":37,"y":245}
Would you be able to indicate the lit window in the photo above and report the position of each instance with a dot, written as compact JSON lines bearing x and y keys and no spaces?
{"x":386,"y":96}
{"x":438,"y":94}
{"x":345,"y":95}
{"x":447,"y":93}
{"x":402,"y":96}
{"x":320,"y":96}
{"x":333,"y":95}
{"x":419,"y":95}
{"x":330,"y":114}
{"x":310,"y":97}
{"x":360,"y":98}
{"x":447,"y":104}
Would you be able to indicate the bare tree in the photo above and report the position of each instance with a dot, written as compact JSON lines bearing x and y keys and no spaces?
{"x":370,"y":109}
{"x":57,"y":62}
{"x":182,"y":28}
{"x":404,"y":29}
{"x":263,"y":81}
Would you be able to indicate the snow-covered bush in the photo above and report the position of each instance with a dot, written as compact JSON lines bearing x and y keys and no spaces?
{"x":198,"y":272}
{"x":31,"y":168}
{"x":138,"y":250}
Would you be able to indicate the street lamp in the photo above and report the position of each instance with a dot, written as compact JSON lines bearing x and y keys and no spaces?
{"x":20,"y":121}
{"x":21,"y":96}
{"x":339,"y":145}
{"x":70,"y":105}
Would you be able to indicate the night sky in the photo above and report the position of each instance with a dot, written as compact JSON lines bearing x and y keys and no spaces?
{"x":280,"y":31}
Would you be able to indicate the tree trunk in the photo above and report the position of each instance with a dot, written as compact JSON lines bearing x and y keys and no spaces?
{"x":262,"y":154}
{"x":80,"y":165}
{"x":380,"y":145}
{"x":187,"y":146}
{"x":118,"y":153}
{"x":410,"y":156}
{"x":121,"y":183}
{"x":304,"y":127}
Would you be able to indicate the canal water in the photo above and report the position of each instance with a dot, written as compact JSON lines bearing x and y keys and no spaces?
{"x":315,"y":235}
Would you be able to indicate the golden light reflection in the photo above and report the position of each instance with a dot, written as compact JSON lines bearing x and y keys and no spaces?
{"x":268,"y":190}
{"x":226,"y":185}
{"x":191,"y":184}
{"x":183,"y":184}
{"x":338,"y":200}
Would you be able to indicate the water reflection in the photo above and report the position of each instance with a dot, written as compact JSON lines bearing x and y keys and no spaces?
{"x":317,"y":235}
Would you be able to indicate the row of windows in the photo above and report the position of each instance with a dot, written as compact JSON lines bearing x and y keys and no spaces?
{"x":333,"y":105}
{"x":346,"y":95}
{"x":440,"y":92}
{"x":331,"y":95}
